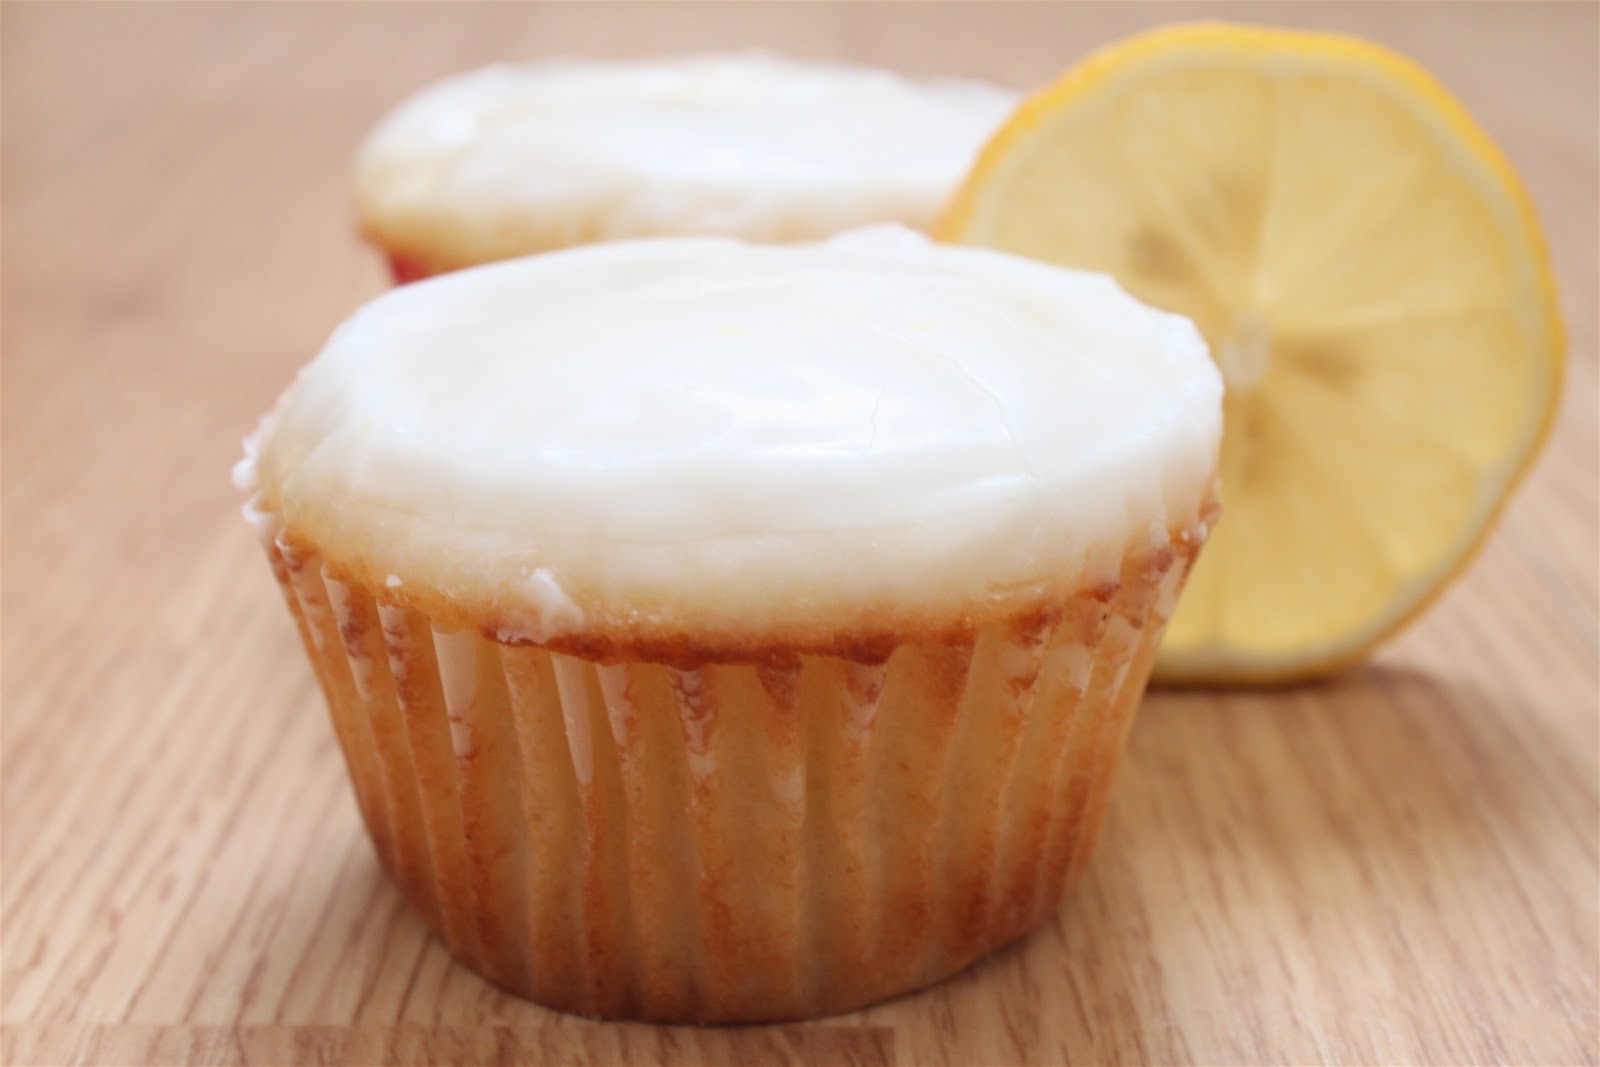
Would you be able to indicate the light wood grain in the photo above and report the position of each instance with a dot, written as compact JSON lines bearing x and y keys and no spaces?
{"x":1399,"y":866}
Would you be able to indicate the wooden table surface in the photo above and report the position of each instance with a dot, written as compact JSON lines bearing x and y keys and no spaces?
{"x":1398,"y":866}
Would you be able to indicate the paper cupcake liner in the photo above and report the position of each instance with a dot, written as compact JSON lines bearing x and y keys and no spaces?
{"x":735,"y":842}
{"x":404,"y":269}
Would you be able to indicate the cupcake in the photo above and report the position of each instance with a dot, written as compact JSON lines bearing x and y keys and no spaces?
{"x":512,"y":160}
{"x":724,"y":632}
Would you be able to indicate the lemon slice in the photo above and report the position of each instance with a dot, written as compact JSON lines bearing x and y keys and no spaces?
{"x":1374,"y":287}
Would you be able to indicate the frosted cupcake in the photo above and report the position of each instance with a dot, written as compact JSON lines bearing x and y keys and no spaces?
{"x":512,"y":160}
{"x":728,"y":632}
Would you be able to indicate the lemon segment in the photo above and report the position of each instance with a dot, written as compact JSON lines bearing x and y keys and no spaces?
{"x":1374,"y":287}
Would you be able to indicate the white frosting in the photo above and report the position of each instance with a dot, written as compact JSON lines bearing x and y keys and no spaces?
{"x":515,"y":159}
{"x":696,"y":431}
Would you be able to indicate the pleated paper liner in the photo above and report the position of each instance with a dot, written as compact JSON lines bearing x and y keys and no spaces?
{"x":732,"y":842}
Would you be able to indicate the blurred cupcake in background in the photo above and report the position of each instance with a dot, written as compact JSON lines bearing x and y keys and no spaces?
{"x":516,"y":159}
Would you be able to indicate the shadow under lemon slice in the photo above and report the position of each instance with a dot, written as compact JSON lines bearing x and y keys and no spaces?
{"x":1372,"y":281}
